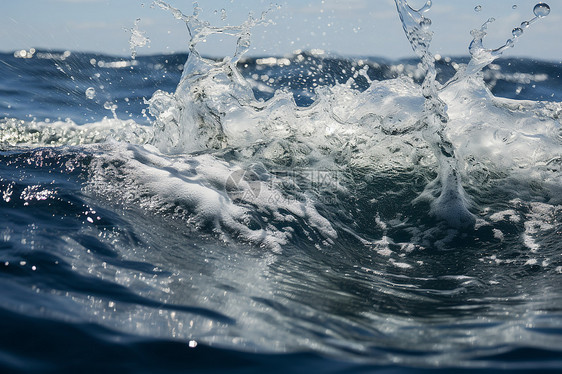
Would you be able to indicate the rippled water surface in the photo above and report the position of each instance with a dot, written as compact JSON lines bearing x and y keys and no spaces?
{"x":299,"y":213}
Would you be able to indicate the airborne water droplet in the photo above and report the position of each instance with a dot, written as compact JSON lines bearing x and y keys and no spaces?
{"x":517,"y":32}
{"x":514,"y":6}
{"x":425,"y":22}
{"x":109,"y":106}
{"x":90,"y":93}
{"x":478,"y":8}
{"x":525,"y":24}
{"x":137,"y":39}
{"x":541,"y":10}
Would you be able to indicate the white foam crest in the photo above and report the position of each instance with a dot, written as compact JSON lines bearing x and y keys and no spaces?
{"x":391,"y":126}
{"x":214,"y":107}
{"x":519,"y":140}
{"x":17,"y":132}
{"x":205,"y":192}
{"x":380,"y":128}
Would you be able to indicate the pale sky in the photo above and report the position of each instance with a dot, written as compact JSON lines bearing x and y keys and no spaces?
{"x":345,"y":27}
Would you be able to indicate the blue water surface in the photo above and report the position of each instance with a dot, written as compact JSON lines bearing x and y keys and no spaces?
{"x":91,"y":282}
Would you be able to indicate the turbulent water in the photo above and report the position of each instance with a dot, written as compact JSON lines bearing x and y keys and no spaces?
{"x":296,"y":213}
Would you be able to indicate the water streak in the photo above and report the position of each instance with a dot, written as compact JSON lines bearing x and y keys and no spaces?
{"x":481,"y":56}
{"x":452,"y":202}
{"x":137,"y":39}
{"x":188,"y":120}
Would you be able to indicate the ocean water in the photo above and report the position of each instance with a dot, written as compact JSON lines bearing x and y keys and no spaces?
{"x":302,"y":213}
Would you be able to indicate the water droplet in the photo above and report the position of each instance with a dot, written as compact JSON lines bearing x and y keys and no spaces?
{"x":514,"y":7}
{"x":109,"y":105}
{"x":425,"y":22}
{"x":517,"y":32}
{"x":541,"y":10}
{"x":525,"y":24}
{"x":509,"y":43}
{"x":478,"y":8}
{"x":91,"y":93}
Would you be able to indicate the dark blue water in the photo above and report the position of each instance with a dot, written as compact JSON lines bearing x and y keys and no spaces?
{"x":116,"y":256}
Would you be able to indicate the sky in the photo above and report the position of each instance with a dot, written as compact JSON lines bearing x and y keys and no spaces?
{"x":344,"y":27}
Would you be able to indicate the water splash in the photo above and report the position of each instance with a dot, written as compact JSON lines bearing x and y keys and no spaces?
{"x":452,"y":203}
{"x":214,"y":108}
{"x":200,"y":30}
{"x":187,"y":120}
{"x":481,"y":56}
{"x":137,"y":39}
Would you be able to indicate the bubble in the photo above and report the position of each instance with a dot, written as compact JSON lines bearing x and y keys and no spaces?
{"x":517,"y":32}
{"x":541,"y":10}
{"x":478,"y":8}
{"x":90,"y":93}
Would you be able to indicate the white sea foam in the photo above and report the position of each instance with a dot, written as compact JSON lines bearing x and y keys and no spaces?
{"x":461,"y":132}
{"x":204,"y":192}
{"x":63,"y":133}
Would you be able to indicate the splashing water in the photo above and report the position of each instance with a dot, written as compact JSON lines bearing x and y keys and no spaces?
{"x":243,"y":220}
{"x":452,"y":202}
{"x":199,"y":127}
{"x":214,"y":108}
{"x":199,"y":30}
{"x":137,"y":39}
{"x":481,"y":57}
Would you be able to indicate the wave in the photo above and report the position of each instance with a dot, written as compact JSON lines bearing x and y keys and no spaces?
{"x":375,"y":196}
